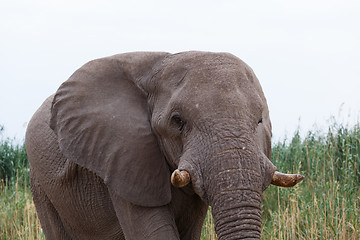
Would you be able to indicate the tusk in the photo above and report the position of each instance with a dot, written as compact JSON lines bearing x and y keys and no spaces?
{"x":180,"y":178}
{"x":286,"y":180}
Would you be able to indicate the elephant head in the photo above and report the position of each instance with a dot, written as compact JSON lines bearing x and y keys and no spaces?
{"x":134,"y":118}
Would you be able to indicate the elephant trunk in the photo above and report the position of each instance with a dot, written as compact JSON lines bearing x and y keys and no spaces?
{"x":237,"y":215}
{"x":233,"y":184}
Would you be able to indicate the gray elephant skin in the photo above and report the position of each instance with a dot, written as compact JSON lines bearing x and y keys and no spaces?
{"x":138,"y":145}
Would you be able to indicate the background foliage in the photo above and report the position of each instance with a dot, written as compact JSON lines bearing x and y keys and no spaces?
{"x":326,"y":205}
{"x":18,"y":218}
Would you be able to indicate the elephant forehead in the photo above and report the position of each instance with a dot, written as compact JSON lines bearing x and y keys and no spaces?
{"x":208,"y":82}
{"x":223,"y":78}
{"x":221,"y":87}
{"x":175,"y":67}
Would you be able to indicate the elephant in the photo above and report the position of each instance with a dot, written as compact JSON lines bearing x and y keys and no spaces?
{"x":139,"y":145}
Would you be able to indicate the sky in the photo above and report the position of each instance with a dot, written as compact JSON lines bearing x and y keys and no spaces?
{"x":306,"y":54}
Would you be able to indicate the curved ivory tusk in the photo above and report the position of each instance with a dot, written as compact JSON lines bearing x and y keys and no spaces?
{"x":286,"y":180}
{"x":180,"y":178}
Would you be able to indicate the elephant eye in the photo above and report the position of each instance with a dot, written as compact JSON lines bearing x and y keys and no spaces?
{"x":260,"y":121}
{"x":176,"y":119}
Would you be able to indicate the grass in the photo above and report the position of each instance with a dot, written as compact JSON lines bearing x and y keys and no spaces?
{"x":18,"y":218}
{"x":326,"y":205}
{"x":13,"y":161}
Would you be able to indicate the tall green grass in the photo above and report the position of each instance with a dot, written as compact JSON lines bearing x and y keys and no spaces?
{"x":326,"y":205}
{"x":18,"y":218}
{"x":13,"y":160}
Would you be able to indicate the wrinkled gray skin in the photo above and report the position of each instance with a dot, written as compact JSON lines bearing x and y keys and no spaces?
{"x":102,"y":149}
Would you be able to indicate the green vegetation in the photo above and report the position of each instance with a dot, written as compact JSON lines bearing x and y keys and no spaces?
{"x":13,"y":161}
{"x":18,"y":219}
{"x":326,"y":205}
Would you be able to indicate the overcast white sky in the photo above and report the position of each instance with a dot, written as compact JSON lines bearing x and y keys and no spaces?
{"x":306,"y":54}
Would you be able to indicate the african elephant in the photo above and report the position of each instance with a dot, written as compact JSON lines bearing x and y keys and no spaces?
{"x":138,"y":145}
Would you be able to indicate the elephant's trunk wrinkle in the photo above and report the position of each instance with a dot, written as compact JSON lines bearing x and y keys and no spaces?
{"x":236,"y":212}
{"x":232,"y":226}
{"x":253,"y":222}
{"x":221,"y":133}
{"x":248,"y":208}
{"x":235,"y":148}
{"x":224,"y":143}
{"x":243,"y":140}
{"x":232,"y":191}
{"x":231,"y":159}
{"x":246,"y":211}
{"x":234,"y":223}
{"x":227,"y":171}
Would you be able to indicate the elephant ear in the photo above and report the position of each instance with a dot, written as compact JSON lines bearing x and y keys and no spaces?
{"x":101,"y":118}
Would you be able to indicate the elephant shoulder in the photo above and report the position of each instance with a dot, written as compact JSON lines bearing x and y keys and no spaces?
{"x":40,"y":140}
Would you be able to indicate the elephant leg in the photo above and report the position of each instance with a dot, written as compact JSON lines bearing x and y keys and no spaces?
{"x":49,"y":218}
{"x":148,"y":223}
